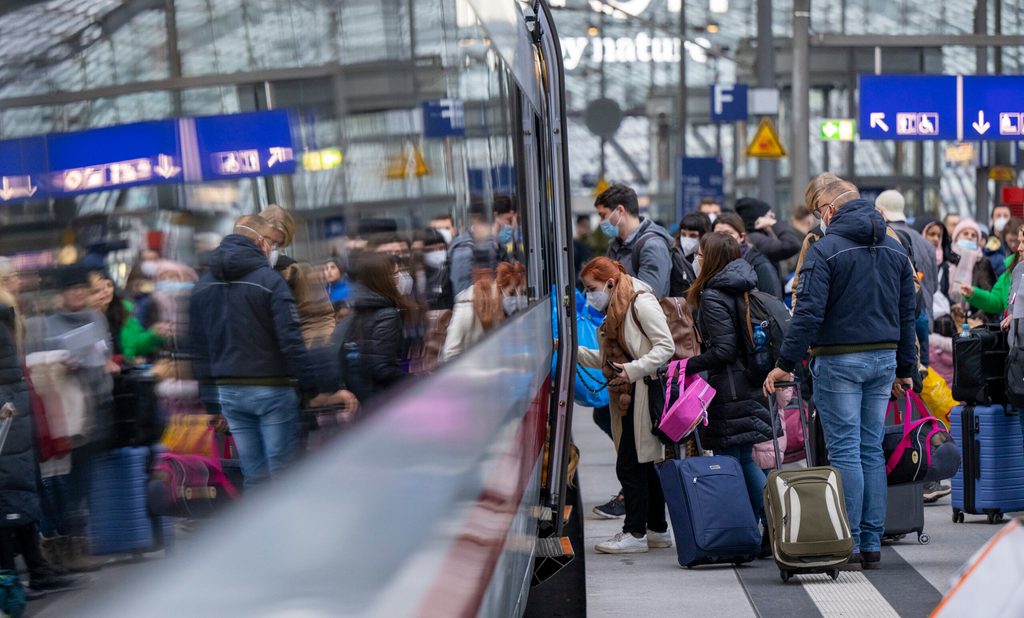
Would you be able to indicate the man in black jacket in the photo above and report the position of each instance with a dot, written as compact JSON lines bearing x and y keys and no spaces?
{"x":855,"y":309}
{"x":777,"y":240}
{"x":247,"y":342}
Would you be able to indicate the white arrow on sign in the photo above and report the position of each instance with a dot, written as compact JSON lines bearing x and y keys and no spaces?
{"x":166,"y":167}
{"x":878,"y":120}
{"x":980,"y":125}
{"x":829,"y":129}
{"x":21,"y":187}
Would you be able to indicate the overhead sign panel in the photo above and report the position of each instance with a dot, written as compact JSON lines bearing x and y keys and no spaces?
{"x":146,"y":153}
{"x":993,"y":107}
{"x":241,"y":145}
{"x":443,"y":118}
{"x":908,"y":107}
{"x":699,"y":177}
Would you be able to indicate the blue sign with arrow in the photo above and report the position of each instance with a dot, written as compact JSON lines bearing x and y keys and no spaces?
{"x":22,"y":168}
{"x":993,"y":107}
{"x":908,"y":107}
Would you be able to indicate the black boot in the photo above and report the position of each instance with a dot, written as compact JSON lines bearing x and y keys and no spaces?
{"x":44,"y":578}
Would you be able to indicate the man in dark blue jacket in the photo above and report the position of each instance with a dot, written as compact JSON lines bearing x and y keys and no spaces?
{"x":247,"y":341}
{"x":855,"y":309}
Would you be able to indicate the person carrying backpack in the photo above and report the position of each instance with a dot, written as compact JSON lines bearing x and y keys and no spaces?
{"x":856,"y":310}
{"x":738,"y":416}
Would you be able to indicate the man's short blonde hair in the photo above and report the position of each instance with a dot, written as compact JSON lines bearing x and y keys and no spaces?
{"x":828,"y":186}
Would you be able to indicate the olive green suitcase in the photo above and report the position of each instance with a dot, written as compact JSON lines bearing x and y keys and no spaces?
{"x":806,"y":513}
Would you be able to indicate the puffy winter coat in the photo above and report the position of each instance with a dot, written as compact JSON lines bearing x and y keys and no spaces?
{"x":766,"y":272}
{"x":374,"y":329}
{"x":855,"y":292}
{"x":243,"y":321}
{"x":19,"y":500}
{"x":738,"y":414}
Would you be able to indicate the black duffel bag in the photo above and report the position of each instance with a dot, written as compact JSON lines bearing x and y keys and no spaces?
{"x":919,"y":450}
{"x":979,"y":366}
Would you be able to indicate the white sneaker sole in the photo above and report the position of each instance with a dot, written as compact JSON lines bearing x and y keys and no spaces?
{"x":935,"y":496}
{"x":603,"y":515}
{"x":659,"y":544}
{"x":620,"y":550}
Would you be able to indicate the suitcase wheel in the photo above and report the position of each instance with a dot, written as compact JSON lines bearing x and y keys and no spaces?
{"x":834,"y":574}
{"x":958,"y":516}
{"x":923,"y":538}
{"x":993,"y":518}
{"x":785,"y":575}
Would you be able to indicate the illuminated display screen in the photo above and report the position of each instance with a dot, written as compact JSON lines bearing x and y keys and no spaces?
{"x":146,"y":153}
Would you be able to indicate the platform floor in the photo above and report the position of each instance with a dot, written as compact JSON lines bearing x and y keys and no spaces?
{"x":910,"y":583}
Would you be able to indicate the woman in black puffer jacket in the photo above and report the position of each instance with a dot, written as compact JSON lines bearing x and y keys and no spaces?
{"x":738,"y":417}
{"x":372,"y":335}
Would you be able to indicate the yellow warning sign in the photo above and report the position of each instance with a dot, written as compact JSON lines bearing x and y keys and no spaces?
{"x":407,"y":162}
{"x":766,"y":143}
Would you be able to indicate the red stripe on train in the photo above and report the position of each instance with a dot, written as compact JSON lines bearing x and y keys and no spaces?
{"x":462,"y":581}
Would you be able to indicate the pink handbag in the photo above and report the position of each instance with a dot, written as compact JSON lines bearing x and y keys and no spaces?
{"x":686,"y":402}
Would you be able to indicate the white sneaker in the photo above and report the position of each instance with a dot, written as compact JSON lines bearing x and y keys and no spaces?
{"x":623,"y":543}
{"x":659,"y":540}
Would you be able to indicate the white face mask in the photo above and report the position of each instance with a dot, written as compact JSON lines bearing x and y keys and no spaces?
{"x":272,"y":258}
{"x":599,"y":300}
{"x":148,"y":269}
{"x":1000,"y":224}
{"x":712,"y":216}
{"x":435,"y":259}
{"x":513,"y":304}
{"x":446,"y":234}
{"x":404,"y":283}
{"x":822,"y":225}
{"x":696,"y":265}
{"x":688,"y":245}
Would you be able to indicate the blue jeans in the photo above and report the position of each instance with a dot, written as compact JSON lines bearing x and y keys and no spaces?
{"x":752,"y":474}
{"x":264,"y":421}
{"x":851,"y":392}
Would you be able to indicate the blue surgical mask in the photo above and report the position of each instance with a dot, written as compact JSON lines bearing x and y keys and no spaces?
{"x":173,"y":286}
{"x":967,"y":245}
{"x":611,"y":230}
{"x":505,"y":234}
{"x":822,"y":225}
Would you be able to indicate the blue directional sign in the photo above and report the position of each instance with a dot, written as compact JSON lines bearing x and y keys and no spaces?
{"x":146,"y":153}
{"x":22,"y":169}
{"x":443,"y":118}
{"x":908,"y":107}
{"x":699,"y":177}
{"x":244,"y":145}
{"x":113,"y":157}
{"x":993,"y":107}
{"x":728,"y":102}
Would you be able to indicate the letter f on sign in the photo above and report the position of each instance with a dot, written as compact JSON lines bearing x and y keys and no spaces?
{"x":723,"y":95}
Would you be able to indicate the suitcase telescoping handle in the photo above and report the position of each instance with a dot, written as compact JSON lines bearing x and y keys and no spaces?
{"x":775,"y":412}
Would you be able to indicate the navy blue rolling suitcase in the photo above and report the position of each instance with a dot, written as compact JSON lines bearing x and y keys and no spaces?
{"x":712,"y":518}
{"x":119,"y":517}
{"x":991,"y":479}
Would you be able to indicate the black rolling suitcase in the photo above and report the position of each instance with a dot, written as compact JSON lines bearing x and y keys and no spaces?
{"x":137,"y":421}
{"x":904,"y":513}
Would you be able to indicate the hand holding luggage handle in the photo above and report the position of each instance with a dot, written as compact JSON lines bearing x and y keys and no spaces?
{"x":773,"y":410}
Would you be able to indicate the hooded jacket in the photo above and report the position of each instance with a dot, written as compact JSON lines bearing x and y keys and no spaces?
{"x":766,"y":272}
{"x":781,"y":242}
{"x":856,"y":289}
{"x":243,"y":322}
{"x":737,"y":415}
{"x":19,"y":499}
{"x":375,"y":329}
{"x":655,"y":268}
{"x":924,"y":259}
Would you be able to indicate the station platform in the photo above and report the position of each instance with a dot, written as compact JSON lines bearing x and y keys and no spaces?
{"x":910,"y":583}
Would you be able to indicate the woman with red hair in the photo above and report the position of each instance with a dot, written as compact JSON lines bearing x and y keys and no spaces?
{"x":635,"y":342}
{"x":484,"y":305}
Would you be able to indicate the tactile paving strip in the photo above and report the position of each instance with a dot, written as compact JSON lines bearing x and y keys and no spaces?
{"x":851,"y":595}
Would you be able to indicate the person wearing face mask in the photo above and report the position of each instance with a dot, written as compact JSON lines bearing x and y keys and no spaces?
{"x":371,"y":337}
{"x":767,"y":273}
{"x":474,"y":247}
{"x":855,"y":310}
{"x":994,"y":302}
{"x":619,"y":208}
{"x":437,"y":285}
{"x":973,"y":271}
{"x":710,"y":207}
{"x":995,"y":248}
{"x":635,"y":342}
{"x":246,"y":341}
{"x":482,"y":307}
{"x":316,"y":312}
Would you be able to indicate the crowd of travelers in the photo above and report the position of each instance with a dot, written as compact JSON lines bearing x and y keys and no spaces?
{"x":874,"y":300}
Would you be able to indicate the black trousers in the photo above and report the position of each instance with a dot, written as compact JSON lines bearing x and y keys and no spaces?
{"x":22,"y":540}
{"x":641,"y":489}
{"x":603,"y":419}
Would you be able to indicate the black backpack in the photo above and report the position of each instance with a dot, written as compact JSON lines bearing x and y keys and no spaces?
{"x":758,"y":311}
{"x":682,"y":273}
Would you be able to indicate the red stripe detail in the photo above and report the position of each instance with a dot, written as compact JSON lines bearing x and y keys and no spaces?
{"x":467,"y":571}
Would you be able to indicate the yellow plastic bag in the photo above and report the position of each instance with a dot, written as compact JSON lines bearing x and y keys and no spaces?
{"x":937,"y":396}
{"x":190,"y":434}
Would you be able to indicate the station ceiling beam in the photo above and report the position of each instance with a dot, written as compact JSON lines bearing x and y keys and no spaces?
{"x":916,"y":40}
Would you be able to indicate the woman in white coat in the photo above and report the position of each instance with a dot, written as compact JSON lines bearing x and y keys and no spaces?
{"x":635,"y":342}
